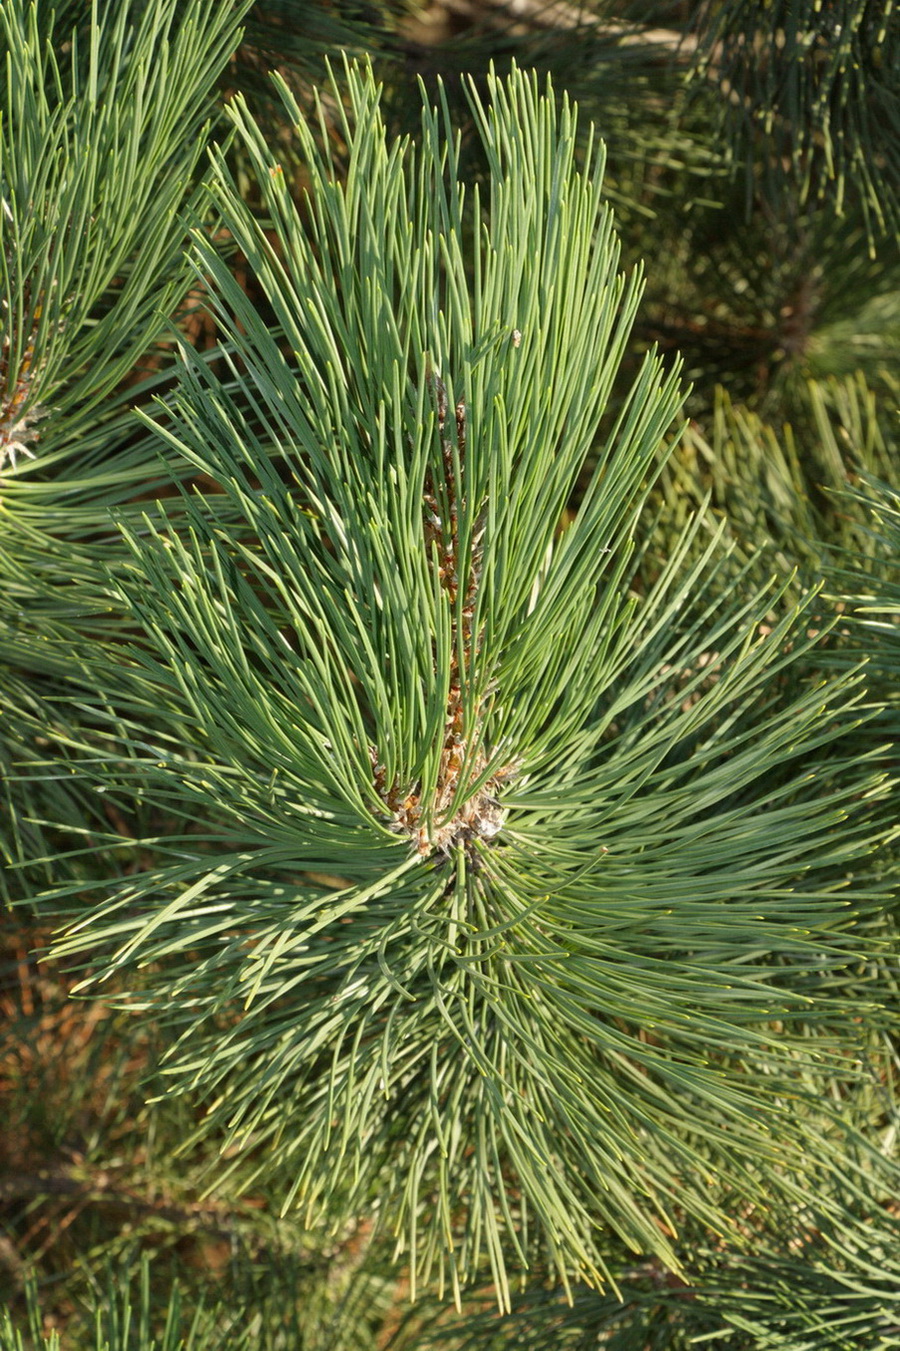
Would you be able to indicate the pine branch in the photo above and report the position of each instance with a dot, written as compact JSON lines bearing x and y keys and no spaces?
{"x":502,"y":898}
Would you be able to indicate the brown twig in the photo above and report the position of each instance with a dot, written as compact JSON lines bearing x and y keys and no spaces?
{"x":430,"y":825}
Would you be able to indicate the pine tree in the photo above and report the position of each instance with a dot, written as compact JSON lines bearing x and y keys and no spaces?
{"x":502,"y":859}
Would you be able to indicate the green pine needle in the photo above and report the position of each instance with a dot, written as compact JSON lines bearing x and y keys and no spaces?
{"x":500,"y":895}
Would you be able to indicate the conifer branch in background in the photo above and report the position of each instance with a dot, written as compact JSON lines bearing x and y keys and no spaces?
{"x":105,"y":121}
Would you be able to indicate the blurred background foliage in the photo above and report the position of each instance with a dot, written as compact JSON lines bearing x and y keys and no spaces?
{"x":754,"y":165}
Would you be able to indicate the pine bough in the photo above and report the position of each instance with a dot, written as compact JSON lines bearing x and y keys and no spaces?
{"x":501,"y":892}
